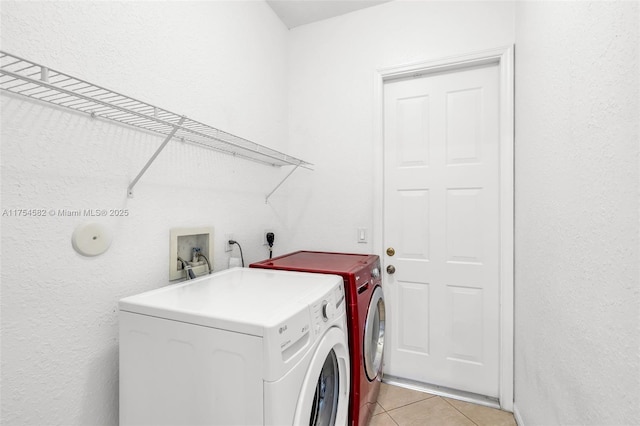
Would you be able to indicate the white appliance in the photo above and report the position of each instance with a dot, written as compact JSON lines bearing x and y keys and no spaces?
{"x":238,"y":347}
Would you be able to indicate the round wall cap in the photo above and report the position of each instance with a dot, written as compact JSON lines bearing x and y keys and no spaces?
{"x":91,"y":239}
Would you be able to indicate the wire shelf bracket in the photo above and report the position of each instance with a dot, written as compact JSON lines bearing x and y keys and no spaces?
{"x":153,"y":157}
{"x":27,"y":78}
{"x":266,"y":200}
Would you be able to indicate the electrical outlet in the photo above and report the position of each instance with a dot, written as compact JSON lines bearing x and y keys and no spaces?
{"x":228,"y":247}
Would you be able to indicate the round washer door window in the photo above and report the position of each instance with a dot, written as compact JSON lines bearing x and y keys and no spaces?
{"x":374,"y":334}
{"x":325,"y":399}
{"x":324,"y":395}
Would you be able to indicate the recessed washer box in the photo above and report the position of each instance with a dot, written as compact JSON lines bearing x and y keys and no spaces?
{"x":181,"y":244}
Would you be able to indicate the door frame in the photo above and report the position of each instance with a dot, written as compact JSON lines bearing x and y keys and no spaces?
{"x":504,"y":58}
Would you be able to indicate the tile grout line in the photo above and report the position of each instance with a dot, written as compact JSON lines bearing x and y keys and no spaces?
{"x":392,"y":419}
{"x":390,"y":416}
{"x":406,"y":405}
{"x":460,"y":411}
{"x":384,"y":411}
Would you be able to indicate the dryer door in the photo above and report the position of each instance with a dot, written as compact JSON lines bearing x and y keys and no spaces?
{"x":374,"y":335}
{"x":324,"y":397}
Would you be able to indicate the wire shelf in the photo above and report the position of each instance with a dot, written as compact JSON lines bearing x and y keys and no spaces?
{"x":36,"y":81}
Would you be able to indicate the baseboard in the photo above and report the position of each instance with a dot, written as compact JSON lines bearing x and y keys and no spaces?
{"x":442,"y":391}
{"x":517,"y":416}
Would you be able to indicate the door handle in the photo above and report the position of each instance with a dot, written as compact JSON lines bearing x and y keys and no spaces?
{"x":391,"y":269}
{"x":391,"y":251}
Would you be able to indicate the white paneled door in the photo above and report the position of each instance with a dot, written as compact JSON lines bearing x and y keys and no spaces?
{"x":442,"y":220}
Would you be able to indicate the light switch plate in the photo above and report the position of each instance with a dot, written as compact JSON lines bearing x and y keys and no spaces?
{"x":362,"y":235}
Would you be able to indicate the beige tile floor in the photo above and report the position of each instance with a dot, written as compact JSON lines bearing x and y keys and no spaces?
{"x":405,"y":407}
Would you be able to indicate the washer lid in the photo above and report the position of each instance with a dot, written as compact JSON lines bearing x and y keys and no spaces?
{"x":243,"y":300}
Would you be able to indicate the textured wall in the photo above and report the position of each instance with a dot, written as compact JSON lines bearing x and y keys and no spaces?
{"x":331,"y":95}
{"x":577,"y":307}
{"x":217,"y":62}
{"x":225,"y":63}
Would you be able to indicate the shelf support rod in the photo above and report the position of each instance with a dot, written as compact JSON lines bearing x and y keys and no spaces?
{"x":266,"y":200}
{"x":153,"y":157}
{"x":44,"y":74}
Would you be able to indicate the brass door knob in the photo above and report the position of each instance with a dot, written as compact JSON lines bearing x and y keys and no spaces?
{"x":391,"y":269}
{"x":391,"y":251}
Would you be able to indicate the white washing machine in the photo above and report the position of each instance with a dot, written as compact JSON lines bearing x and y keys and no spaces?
{"x":238,"y":347}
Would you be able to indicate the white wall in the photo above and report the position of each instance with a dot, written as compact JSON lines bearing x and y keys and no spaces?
{"x":233,"y":65}
{"x":222,"y":63}
{"x":577,"y":227}
{"x":332,"y":65}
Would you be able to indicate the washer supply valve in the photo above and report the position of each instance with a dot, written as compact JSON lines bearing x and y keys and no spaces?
{"x":196,"y":254}
{"x":187,"y":269}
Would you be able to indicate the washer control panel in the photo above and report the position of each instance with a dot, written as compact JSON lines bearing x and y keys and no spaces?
{"x":325,"y":310}
{"x":288,"y":340}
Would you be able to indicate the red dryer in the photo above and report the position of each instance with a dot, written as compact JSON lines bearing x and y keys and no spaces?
{"x":365,"y":316}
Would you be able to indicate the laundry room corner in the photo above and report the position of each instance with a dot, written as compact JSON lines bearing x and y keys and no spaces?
{"x":63,"y":168}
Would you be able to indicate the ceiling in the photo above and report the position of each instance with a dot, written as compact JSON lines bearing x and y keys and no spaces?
{"x":300,"y":12}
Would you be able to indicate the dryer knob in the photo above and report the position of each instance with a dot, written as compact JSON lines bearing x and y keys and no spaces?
{"x":375,"y":273}
{"x":327,"y":310}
